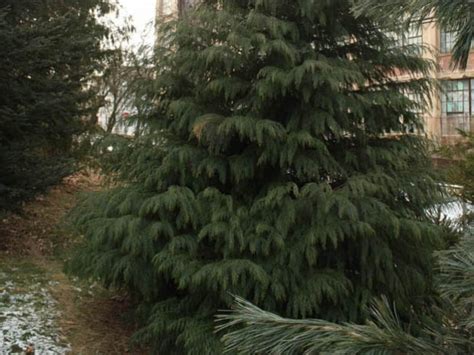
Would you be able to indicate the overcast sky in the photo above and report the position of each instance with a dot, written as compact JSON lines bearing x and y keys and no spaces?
{"x":143,"y":14}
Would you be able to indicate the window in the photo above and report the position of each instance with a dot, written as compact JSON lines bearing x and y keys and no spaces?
{"x":411,"y":37}
{"x":456,"y":97}
{"x":417,"y":109}
{"x":448,"y":39}
{"x":417,"y":100}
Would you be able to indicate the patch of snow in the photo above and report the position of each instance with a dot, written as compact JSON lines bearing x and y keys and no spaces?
{"x":28,"y":314}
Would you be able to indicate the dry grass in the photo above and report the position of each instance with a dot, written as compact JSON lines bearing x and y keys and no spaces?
{"x":31,"y":232}
{"x":92,"y":322}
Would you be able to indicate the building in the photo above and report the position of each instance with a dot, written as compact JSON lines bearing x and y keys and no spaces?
{"x":171,"y":8}
{"x":165,"y":9}
{"x":452,"y":107}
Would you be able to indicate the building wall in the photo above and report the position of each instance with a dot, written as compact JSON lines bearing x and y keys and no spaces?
{"x":439,"y":127}
{"x":171,"y":8}
{"x":447,"y":72}
{"x":430,"y":37}
{"x":166,"y":8}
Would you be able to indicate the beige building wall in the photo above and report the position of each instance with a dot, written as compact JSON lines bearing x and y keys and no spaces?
{"x":169,"y":9}
{"x":430,"y":37}
{"x":439,"y":126}
{"x":166,"y":8}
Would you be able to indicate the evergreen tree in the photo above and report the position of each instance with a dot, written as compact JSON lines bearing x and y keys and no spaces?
{"x":270,"y":170}
{"x":50,"y":49}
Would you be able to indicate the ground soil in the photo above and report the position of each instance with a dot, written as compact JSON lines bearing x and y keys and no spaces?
{"x":92,"y":320}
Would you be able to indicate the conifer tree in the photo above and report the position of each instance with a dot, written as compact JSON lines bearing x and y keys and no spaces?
{"x":50,"y":51}
{"x":270,"y":171}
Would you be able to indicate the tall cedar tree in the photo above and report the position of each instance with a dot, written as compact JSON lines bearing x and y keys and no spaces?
{"x":50,"y":49}
{"x":269,"y":173}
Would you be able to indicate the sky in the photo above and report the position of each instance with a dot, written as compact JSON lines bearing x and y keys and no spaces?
{"x":143,"y":15}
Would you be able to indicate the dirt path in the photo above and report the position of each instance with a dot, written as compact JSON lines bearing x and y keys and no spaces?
{"x":41,"y":309}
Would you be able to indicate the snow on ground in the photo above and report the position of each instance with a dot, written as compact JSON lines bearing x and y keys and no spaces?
{"x":452,"y":211}
{"x":28,"y":312}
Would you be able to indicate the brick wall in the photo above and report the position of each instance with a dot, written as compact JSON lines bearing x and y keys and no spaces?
{"x":445,"y":63}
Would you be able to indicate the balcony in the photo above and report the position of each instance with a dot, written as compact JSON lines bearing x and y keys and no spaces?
{"x":451,"y":124}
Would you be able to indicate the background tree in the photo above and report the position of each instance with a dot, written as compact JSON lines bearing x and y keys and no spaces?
{"x":122,"y":85}
{"x":125,"y":103}
{"x":266,"y":172}
{"x":115,"y":90}
{"x":116,"y":83}
{"x":50,"y":50}
{"x":453,"y":15}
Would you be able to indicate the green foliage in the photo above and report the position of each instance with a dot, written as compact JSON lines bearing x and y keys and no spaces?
{"x":49,"y":51}
{"x":24,"y":174}
{"x":461,"y":169}
{"x":267,"y":172}
{"x":254,"y":331}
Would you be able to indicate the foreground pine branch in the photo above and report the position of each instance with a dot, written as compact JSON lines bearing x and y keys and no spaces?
{"x":250,"y":330}
{"x":267,"y":333}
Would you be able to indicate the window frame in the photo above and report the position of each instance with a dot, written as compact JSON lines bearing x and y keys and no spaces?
{"x":447,"y":40}
{"x":413,"y":36}
{"x":451,"y":91}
